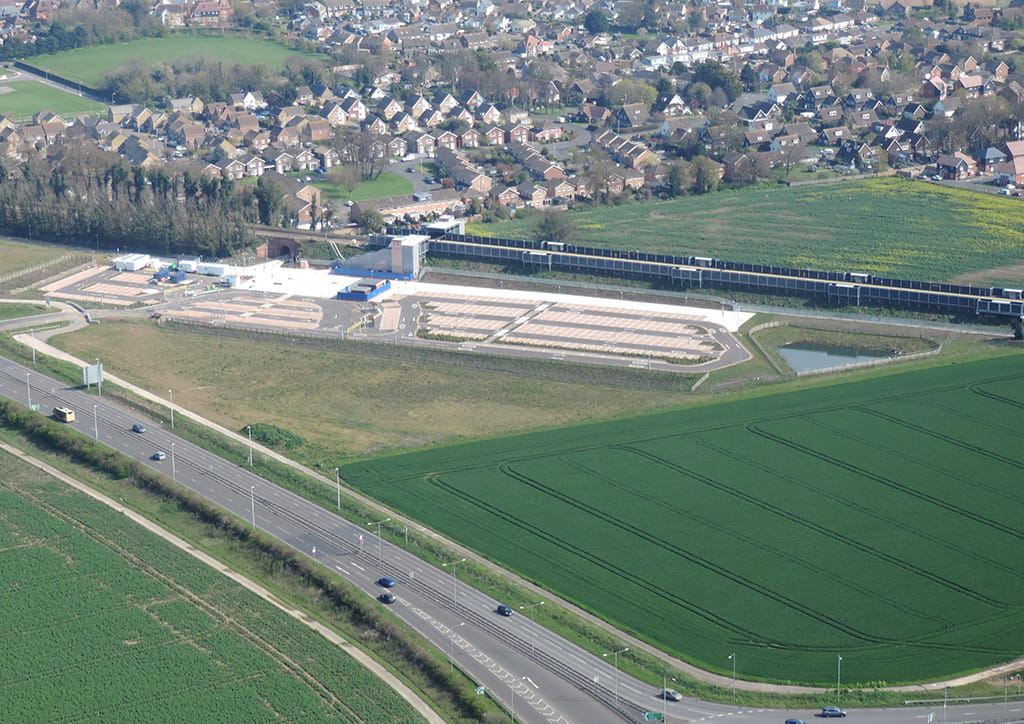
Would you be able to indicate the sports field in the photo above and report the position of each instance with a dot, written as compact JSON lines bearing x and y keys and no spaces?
{"x":22,"y":99}
{"x":104,"y":622}
{"x":877,"y":520}
{"x":90,"y":65}
{"x":891,"y":226}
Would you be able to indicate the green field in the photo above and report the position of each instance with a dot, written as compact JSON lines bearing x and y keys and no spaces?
{"x":385,"y":185}
{"x":877,"y":520}
{"x":892,"y":227}
{"x":90,"y":65}
{"x":414,"y":403}
{"x":105,"y":622}
{"x":22,"y":99}
{"x":18,"y":255}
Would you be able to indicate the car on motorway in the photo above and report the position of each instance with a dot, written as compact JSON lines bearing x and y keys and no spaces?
{"x":795,"y":721}
{"x":504,"y":610}
{"x":386,"y":597}
{"x":386,"y":582}
{"x":138,"y":427}
{"x":833,"y":712}
{"x":159,"y":455}
{"x":671,"y":695}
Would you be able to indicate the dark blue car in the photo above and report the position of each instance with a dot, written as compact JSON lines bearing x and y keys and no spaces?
{"x":386,"y":582}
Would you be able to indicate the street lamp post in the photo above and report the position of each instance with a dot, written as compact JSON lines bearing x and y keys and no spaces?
{"x":380,"y":545}
{"x":249,"y":429}
{"x":732,"y":657}
{"x":615,"y":654}
{"x":455,"y":580}
{"x":337,"y":481}
{"x":28,"y":383}
{"x":99,"y":377}
{"x":252,"y":499}
{"x":839,"y":672}
{"x":95,"y":424}
{"x":171,"y":394}
{"x":533,"y":622}
{"x":174,"y":470}
{"x":664,"y":696}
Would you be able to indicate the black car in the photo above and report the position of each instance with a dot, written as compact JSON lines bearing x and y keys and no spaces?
{"x":386,"y":597}
{"x":138,"y":427}
{"x":504,"y":610}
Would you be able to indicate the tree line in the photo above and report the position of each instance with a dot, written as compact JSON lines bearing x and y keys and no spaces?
{"x":106,"y":204}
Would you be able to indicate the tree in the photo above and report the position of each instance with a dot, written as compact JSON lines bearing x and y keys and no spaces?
{"x":596,"y":22}
{"x":705,"y":175}
{"x":717,"y":76}
{"x":371,"y":220}
{"x":269,"y":201}
{"x":791,"y":154}
{"x":631,"y":91}
{"x":749,"y":78}
{"x":344,"y":177}
{"x":556,"y":226}
{"x":679,"y":179}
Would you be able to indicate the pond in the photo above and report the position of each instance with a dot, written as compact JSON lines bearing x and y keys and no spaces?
{"x":804,"y":356}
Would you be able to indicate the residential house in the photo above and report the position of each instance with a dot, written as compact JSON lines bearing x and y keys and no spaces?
{"x":533,"y":194}
{"x":445,"y":139}
{"x":355,"y":110}
{"x":495,"y":135}
{"x":419,"y":142}
{"x":279,"y":160}
{"x":956,"y":166}
{"x":632,"y":115}
{"x":468,"y":137}
{"x":375,"y":124}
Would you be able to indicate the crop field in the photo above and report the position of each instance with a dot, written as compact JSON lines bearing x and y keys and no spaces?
{"x":892,"y":227}
{"x":19,"y":101}
{"x":105,"y":622}
{"x":90,"y":65}
{"x":877,"y":520}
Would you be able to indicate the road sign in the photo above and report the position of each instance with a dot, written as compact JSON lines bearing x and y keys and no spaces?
{"x":35,"y":408}
{"x":479,"y":690}
{"x":653,"y":716}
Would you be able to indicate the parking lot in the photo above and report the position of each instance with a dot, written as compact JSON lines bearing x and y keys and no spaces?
{"x":273,"y":297}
